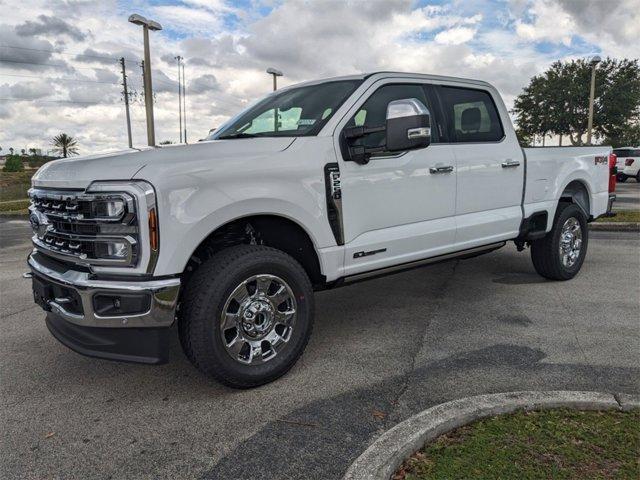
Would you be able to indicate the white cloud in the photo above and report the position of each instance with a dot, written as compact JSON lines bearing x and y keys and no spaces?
{"x":455,"y":36}
{"x":550,"y":23}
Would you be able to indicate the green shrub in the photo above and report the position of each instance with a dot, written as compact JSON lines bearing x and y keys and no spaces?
{"x":13,"y":163}
{"x":36,"y":161}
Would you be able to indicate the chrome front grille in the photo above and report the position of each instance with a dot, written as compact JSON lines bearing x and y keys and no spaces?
{"x":85,"y":228}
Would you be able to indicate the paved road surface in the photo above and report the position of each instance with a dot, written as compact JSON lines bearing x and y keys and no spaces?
{"x":628,"y":196}
{"x":395,"y":345}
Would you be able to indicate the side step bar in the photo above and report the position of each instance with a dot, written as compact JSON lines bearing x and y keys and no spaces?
{"x":471,"y":252}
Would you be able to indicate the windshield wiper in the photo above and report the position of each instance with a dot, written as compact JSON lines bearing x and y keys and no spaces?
{"x":237,"y":135}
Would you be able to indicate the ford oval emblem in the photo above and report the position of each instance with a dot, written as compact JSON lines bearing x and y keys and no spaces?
{"x":39,"y":224}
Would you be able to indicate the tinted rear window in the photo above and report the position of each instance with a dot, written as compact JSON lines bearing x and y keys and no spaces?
{"x":471,"y":115}
{"x":627,"y":152}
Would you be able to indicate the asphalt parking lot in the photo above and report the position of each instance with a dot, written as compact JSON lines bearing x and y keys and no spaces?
{"x":381,"y":351}
{"x":628,"y":196}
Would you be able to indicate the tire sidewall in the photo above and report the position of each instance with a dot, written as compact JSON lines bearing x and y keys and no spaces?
{"x":278,"y":365}
{"x":576,"y":212}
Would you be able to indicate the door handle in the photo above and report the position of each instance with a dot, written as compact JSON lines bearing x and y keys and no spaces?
{"x":510,"y":163}
{"x":446,"y":169}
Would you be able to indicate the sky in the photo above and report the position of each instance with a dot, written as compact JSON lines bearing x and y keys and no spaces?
{"x":60,"y":70}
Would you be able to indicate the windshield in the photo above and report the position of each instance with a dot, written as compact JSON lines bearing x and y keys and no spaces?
{"x":294,"y":112}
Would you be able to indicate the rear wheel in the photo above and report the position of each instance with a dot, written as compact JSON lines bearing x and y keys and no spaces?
{"x":247,"y":315}
{"x":621,"y":177}
{"x":560,"y":254}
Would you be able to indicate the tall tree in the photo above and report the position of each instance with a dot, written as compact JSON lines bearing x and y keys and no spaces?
{"x":65,"y":145}
{"x":557,"y":101}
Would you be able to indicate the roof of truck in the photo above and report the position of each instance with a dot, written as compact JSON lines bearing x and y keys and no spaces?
{"x":387,"y":74}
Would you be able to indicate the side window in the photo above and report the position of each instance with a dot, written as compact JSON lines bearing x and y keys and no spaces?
{"x":373,"y":112}
{"x":471,"y":115}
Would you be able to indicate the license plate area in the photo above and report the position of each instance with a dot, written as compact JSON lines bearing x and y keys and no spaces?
{"x":45,"y":291}
{"x":42,"y":293}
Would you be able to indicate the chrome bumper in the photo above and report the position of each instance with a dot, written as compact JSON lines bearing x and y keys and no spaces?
{"x":163,"y":293}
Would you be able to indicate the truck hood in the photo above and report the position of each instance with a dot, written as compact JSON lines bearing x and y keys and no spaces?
{"x":79,"y":172}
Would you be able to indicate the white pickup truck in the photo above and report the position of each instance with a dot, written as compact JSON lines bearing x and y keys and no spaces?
{"x":315,"y":186}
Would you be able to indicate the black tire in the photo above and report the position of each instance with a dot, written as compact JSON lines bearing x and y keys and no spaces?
{"x":545,"y":253}
{"x":206,"y":295}
{"x":621,"y":178}
{"x":638,"y":177}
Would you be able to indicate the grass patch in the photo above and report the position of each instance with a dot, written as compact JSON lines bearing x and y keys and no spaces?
{"x":622,"y":216}
{"x":14,"y":185}
{"x":14,"y":206}
{"x":558,"y":444}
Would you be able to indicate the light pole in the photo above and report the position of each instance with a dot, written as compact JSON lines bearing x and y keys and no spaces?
{"x":594,"y":62}
{"x":148,"y":88}
{"x":276,"y":74}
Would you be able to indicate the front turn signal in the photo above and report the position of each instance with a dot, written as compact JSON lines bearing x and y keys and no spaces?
{"x":153,"y":230}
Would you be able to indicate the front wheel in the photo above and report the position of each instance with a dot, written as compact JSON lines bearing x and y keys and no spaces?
{"x":621,"y":178}
{"x":559,"y":254}
{"x":247,"y":315}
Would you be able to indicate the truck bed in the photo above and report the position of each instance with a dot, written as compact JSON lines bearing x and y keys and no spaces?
{"x":550,"y":169}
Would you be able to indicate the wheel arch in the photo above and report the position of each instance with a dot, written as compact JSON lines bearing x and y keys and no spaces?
{"x":578,"y":192}
{"x":272,"y":230}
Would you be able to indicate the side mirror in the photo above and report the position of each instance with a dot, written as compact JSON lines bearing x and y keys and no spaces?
{"x":408,"y":125}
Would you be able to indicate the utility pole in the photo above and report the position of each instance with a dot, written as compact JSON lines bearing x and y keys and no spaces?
{"x":148,"y":88}
{"x":179,"y":58}
{"x":184,"y":103}
{"x":126,"y":101}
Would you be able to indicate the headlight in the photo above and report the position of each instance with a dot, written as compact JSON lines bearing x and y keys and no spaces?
{"x":116,"y":250}
{"x":113,"y":208}
{"x":128,"y":208}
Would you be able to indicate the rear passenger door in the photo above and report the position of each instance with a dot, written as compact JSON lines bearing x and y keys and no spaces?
{"x":490,"y":167}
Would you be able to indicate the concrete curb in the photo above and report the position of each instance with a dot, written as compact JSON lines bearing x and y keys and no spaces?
{"x":615,"y":226}
{"x":386,"y":454}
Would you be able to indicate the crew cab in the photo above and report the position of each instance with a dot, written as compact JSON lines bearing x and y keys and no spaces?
{"x":313,"y":187}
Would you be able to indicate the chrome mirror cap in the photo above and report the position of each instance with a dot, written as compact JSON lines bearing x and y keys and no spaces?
{"x":407,"y":107}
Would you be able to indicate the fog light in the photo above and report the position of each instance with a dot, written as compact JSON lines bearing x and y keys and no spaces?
{"x":107,"y":304}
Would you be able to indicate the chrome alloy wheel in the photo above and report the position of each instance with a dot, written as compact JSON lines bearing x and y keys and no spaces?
{"x":570,"y":242}
{"x":258,"y":318}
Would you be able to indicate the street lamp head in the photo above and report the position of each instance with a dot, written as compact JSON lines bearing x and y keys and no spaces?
{"x":140,"y":20}
{"x":595,"y":60}
{"x":273,"y":71}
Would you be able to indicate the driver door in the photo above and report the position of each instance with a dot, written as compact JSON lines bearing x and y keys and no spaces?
{"x":399,"y":207}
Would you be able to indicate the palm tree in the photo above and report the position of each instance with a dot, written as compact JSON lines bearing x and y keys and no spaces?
{"x":65,"y":145}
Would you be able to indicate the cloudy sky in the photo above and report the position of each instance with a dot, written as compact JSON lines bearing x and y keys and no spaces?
{"x":59,"y":69}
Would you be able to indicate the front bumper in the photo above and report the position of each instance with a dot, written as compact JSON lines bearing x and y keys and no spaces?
{"x":69,"y":297}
